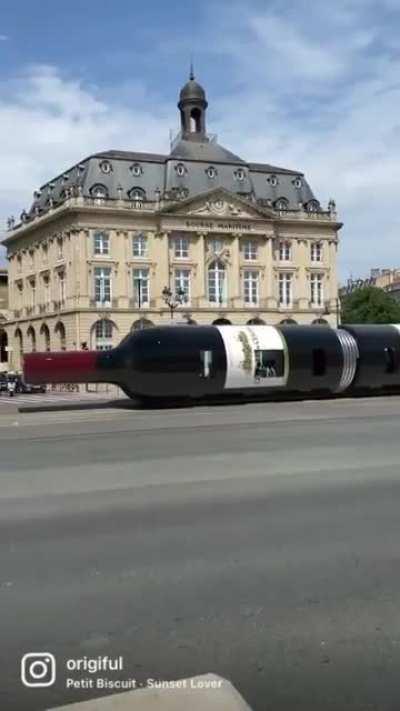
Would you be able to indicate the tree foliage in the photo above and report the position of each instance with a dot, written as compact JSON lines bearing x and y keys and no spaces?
{"x":369,"y":305}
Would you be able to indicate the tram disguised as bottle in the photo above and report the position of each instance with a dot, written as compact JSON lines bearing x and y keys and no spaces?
{"x":198,"y":362}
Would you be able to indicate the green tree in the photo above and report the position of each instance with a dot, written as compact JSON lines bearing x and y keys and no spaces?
{"x":369,"y":305}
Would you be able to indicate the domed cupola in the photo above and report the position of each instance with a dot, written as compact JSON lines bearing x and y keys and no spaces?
{"x":192,"y":105}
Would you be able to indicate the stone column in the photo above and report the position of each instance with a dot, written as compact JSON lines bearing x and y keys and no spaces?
{"x":201,"y":286}
{"x":268,"y":291}
{"x":160,"y":276}
{"x":303,"y":279}
{"x":234,"y":276}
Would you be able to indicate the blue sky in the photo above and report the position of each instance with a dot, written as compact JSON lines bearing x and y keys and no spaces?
{"x":315,"y":87}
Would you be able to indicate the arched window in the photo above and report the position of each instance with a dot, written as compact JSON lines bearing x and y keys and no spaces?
{"x":256,"y":322}
{"x":288,"y":322}
{"x":320,"y":322}
{"x":45,"y":334}
{"x":99,"y":191}
{"x":103,"y":335}
{"x":281,"y":204}
{"x":141,"y":323}
{"x":31,"y":338}
{"x":59,"y":331}
{"x":222,"y":322}
{"x":137,"y":194}
{"x":195,"y":120}
{"x":312,"y":206}
{"x":217,"y":287}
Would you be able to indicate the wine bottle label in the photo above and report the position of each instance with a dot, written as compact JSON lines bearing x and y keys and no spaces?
{"x":256,"y":357}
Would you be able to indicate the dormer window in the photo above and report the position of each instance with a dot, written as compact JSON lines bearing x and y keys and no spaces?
{"x":105,"y":166}
{"x":136,"y":169}
{"x":211,"y":172}
{"x":180,"y":169}
{"x":272,"y":180}
{"x":297,"y":182}
{"x":137,"y":194}
{"x":99,"y":192}
{"x":282,"y":204}
{"x":312,"y":206}
{"x":239,"y":174}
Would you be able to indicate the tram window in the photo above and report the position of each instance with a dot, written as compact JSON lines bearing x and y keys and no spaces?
{"x":390,"y":360}
{"x":206,"y":363}
{"x":269,"y":364}
{"x":319,"y":361}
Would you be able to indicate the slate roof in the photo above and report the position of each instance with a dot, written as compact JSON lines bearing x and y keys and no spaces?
{"x":160,"y":175}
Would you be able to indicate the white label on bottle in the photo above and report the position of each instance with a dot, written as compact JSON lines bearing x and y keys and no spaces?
{"x":256,"y":357}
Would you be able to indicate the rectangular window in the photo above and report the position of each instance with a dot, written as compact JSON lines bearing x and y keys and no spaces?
{"x":317,"y":295}
{"x":181,"y":247}
{"x":316,"y":252}
{"x":285,"y":289}
{"x":102,"y":286}
{"x":182,"y":283}
{"x":141,"y":287}
{"x":101,"y":243}
{"x":251,"y":288}
{"x":206,"y":363}
{"x":319,"y":361}
{"x":285,"y":251}
{"x":60,"y":248}
{"x":139,"y":243}
{"x":269,"y":364}
{"x":250,"y":250}
{"x":217,"y":284}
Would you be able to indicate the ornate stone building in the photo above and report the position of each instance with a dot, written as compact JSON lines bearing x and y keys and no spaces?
{"x":236,"y":241}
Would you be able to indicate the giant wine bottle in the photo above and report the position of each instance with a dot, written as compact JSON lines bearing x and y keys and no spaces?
{"x":173,"y":361}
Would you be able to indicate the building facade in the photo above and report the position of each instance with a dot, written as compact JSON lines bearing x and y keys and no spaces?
{"x":230,"y":241}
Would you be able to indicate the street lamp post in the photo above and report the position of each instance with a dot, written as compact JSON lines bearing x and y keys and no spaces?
{"x":173,"y":301}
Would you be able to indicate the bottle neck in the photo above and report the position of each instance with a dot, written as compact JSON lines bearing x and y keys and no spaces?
{"x":65,"y":367}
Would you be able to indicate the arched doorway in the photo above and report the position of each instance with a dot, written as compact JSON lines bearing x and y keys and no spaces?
{"x":256,"y":322}
{"x":31,"y":335}
{"x":319,"y":322}
{"x":289,"y":322}
{"x":141,"y":323}
{"x":45,"y":335}
{"x":222,"y":322}
{"x":59,"y":332}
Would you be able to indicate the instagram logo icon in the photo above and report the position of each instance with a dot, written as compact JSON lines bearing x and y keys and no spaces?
{"x":38,"y":669}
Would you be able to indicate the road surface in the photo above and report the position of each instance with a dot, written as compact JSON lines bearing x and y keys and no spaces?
{"x":260,"y":542}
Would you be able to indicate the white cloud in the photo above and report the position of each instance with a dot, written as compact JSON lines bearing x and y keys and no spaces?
{"x":49,"y":123}
{"x":326,"y":106}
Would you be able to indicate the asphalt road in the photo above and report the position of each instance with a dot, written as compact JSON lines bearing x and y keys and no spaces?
{"x":259,"y":542}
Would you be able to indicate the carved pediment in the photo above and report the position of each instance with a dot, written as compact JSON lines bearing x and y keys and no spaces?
{"x":219,"y":203}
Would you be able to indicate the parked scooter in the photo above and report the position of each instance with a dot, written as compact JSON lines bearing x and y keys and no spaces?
{"x":11,"y":385}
